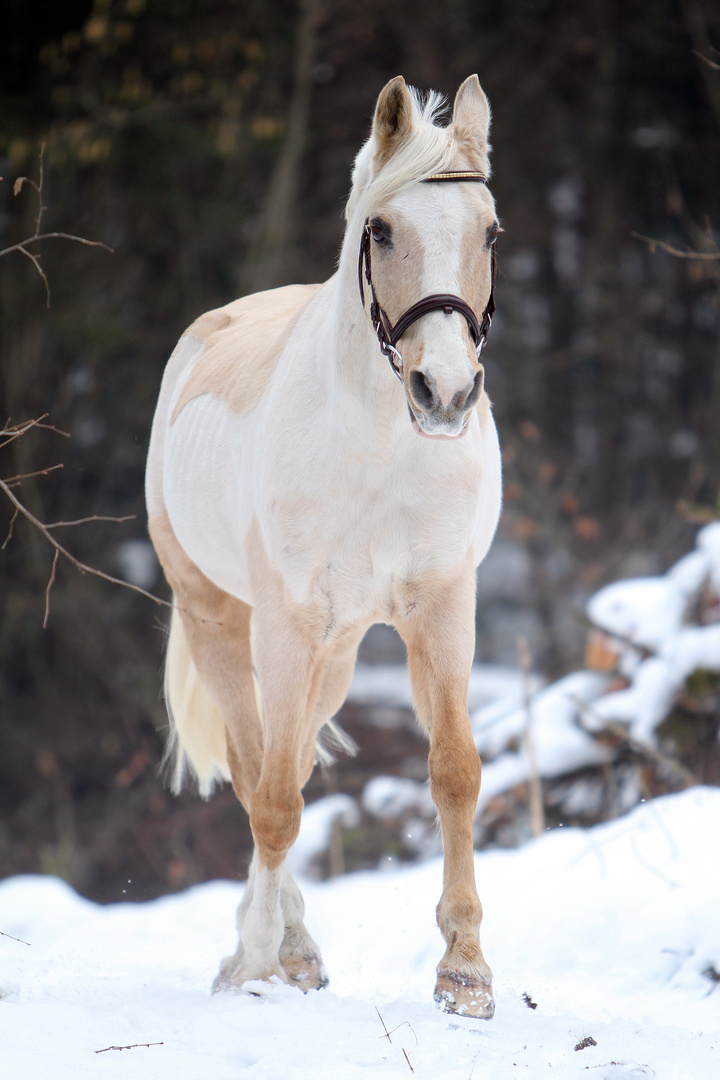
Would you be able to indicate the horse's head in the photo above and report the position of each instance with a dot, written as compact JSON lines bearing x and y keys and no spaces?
{"x":426,"y":265}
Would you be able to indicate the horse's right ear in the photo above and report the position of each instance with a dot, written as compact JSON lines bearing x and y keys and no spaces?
{"x":393,"y":118}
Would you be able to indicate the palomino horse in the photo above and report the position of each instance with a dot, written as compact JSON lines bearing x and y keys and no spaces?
{"x":300,"y":489}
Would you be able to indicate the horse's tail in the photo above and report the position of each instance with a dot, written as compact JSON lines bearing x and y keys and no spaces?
{"x":197,"y":729}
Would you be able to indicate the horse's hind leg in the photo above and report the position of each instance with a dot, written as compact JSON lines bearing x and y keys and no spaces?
{"x":438,"y":628}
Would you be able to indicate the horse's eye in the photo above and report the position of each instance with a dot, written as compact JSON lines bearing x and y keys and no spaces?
{"x":380,"y":232}
{"x":492,"y":234}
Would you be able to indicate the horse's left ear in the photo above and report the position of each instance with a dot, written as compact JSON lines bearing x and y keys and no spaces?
{"x":471,"y":118}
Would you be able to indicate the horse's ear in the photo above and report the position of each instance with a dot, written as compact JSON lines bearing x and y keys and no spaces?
{"x":471,"y":119}
{"x":393,"y":118}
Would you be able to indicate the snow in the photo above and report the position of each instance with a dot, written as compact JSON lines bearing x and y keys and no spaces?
{"x":651,"y":615}
{"x":389,"y":684}
{"x":656,"y":645}
{"x":318,"y":820}
{"x":608,"y":931}
{"x":561,"y":746}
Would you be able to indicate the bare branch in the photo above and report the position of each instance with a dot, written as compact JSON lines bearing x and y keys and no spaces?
{"x":55,"y":236}
{"x":17,"y":430}
{"x":81,"y":566}
{"x":712,"y":256}
{"x":16,"y":480}
{"x":37,"y":235}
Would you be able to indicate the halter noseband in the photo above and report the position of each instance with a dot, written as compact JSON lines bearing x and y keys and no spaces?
{"x":389,"y":335}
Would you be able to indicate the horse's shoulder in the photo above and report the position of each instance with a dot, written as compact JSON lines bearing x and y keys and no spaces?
{"x":241,"y":344}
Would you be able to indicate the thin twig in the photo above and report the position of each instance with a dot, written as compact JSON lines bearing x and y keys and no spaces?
{"x":701,"y":256}
{"x":86,"y":520}
{"x":48,"y":587}
{"x":407,"y":1059}
{"x":28,"y":476}
{"x":387,"y":1033}
{"x":403,"y":1023}
{"x":55,"y":236}
{"x":537,"y":812}
{"x":12,"y":938}
{"x":8,"y":538}
{"x":133,"y":1046}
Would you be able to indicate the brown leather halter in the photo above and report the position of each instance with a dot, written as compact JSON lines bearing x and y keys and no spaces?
{"x":389,"y":335}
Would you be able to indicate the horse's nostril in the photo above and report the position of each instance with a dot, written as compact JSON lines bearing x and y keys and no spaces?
{"x":474,"y":394}
{"x":420,"y":389}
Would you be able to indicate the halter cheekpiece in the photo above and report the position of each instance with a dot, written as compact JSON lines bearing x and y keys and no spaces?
{"x":389,"y":335}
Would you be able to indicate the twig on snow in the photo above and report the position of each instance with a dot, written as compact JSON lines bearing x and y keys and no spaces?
{"x":12,"y":938}
{"x":133,"y":1046}
{"x":389,"y":1033}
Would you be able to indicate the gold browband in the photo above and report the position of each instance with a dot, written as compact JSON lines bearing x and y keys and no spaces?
{"x":449,"y":176}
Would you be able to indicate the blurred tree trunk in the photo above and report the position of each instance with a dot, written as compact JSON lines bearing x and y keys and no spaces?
{"x":698,"y":20}
{"x":269,"y":259}
{"x":602,"y":290}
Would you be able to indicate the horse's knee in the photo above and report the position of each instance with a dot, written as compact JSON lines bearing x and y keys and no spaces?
{"x":275,"y":822}
{"x":454,"y":774}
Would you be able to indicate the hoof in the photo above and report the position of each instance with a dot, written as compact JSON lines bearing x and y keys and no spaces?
{"x":306,"y":972}
{"x":464,"y":995}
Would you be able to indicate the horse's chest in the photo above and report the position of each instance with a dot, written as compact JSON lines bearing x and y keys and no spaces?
{"x":357,"y":551}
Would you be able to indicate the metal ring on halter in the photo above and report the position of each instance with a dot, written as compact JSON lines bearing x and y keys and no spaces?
{"x":387,"y":348}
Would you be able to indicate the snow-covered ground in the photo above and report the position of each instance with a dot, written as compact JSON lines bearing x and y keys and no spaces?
{"x":610,"y":932}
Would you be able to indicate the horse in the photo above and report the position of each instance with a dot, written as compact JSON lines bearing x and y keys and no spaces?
{"x":300,"y":489}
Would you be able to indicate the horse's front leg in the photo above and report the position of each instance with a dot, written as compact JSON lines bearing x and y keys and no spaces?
{"x":438,"y":626}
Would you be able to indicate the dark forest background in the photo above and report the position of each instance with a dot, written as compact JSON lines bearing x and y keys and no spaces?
{"x":209,"y":143}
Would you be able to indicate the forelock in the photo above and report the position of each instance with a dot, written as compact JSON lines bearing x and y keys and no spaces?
{"x":429,"y":148}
